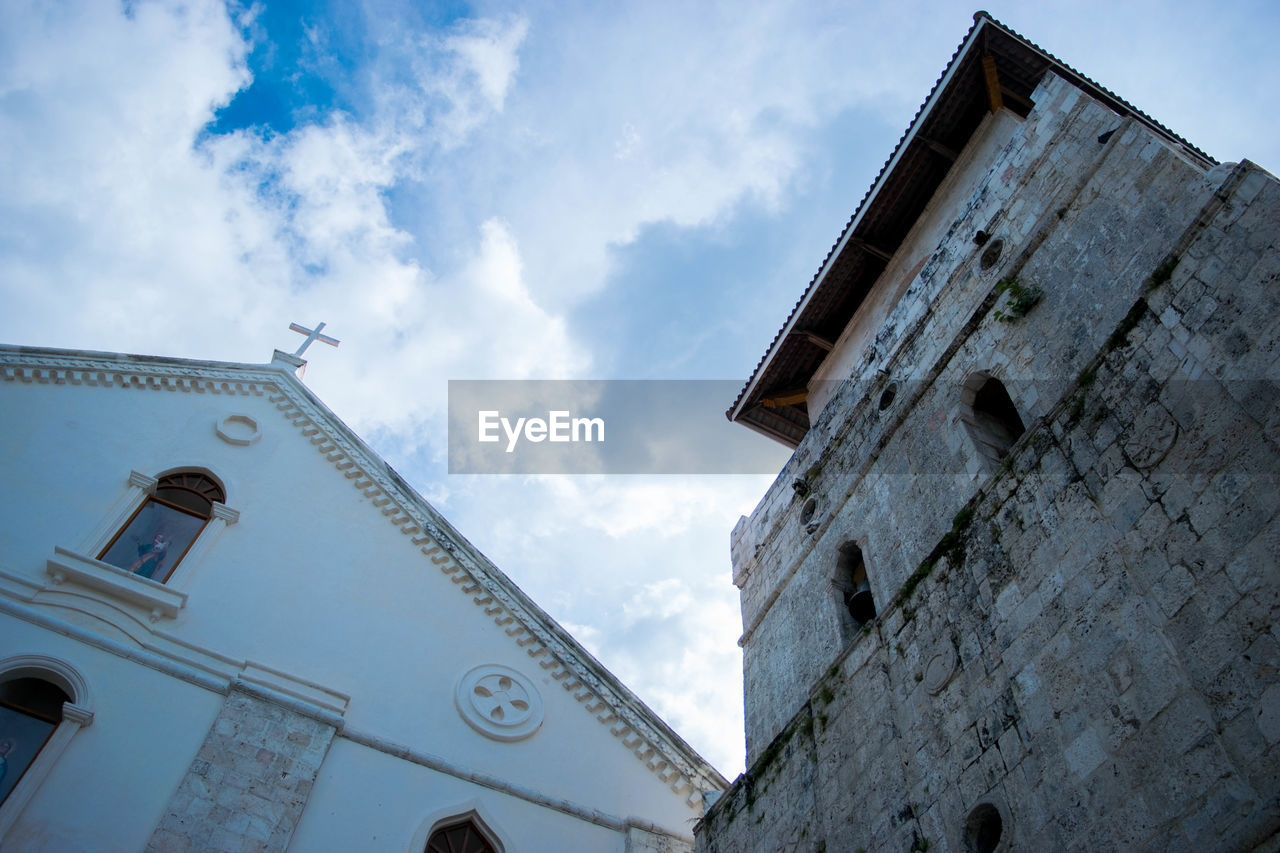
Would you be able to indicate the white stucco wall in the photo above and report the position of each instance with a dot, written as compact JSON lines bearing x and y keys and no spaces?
{"x":366,"y":800}
{"x":111,"y":785}
{"x":312,"y":581}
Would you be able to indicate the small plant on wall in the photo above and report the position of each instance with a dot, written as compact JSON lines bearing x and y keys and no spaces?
{"x":1019,"y":299}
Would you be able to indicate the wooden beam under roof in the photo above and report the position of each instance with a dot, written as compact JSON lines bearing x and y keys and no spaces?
{"x":938,"y":148}
{"x":871,"y":250}
{"x":993,"y":83}
{"x":785,"y":398}
{"x":954,"y":104}
{"x":1009,"y":95}
{"x":814,"y":338}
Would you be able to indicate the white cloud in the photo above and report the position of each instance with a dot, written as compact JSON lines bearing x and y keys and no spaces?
{"x":525,"y":148}
{"x":488,"y":50}
{"x":638,"y":569}
{"x":123,"y":224}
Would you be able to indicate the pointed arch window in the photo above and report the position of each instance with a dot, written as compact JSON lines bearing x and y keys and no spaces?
{"x":164,"y":527}
{"x":464,"y":837}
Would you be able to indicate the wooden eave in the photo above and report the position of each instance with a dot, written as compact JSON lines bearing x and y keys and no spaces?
{"x":942,"y":127}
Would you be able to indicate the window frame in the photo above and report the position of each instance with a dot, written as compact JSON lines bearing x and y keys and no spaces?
{"x":160,"y":599}
{"x":35,"y":714}
{"x":77,"y":713}
{"x":467,"y":820}
{"x":444,"y":817}
{"x":152,"y":497}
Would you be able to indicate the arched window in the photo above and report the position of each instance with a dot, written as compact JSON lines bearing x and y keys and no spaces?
{"x":158,"y":535}
{"x":30,"y":709}
{"x":853,"y":587}
{"x":982,"y":829}
{"x":464,"y":837}
{"x":43,"y":703}
{"x":990,"y":416}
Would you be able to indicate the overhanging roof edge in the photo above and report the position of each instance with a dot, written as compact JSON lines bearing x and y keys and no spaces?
{"x":885,"y":173}
{"x":983,"y":23}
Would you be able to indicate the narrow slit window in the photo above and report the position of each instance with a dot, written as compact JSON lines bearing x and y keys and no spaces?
{"x":852,"y":583}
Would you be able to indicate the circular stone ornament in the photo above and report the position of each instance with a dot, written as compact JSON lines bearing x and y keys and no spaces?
{"x":240,"y":430}
{"x":938,"y":671}
{"x":1151,"y":437}
{"x":499,"y":702}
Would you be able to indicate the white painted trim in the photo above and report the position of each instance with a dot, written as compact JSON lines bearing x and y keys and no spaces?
{"x":473,"y":810}
{"x":222,"y":516}
{"x":228,"y":429}
{"x":298,"y":688}
{"x":156,"y":598}
{"x":485,"y":780}
{"x":203,"y":668}
{"x":57,"y":672}
{"x":138,"y":487}
{"x":500,"y":729}
{"x":76,"y":714}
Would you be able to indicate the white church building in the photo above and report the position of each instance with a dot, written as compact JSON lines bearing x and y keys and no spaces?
{"x":227,"y":624}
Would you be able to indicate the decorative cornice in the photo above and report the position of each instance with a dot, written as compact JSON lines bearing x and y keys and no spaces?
{"x":82,"y":717}
{"x":601,"y":695}
{"x":226,"y":513}
{"x":49,"y":369}
{"x":143,"y":481}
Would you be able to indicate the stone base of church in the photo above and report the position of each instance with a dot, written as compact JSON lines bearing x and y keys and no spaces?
{"x":249,"y":782}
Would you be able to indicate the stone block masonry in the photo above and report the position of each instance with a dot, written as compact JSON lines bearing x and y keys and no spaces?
{"x":892,"y":479}
{"x":1076,"y":647}
{"x":248,"y":784}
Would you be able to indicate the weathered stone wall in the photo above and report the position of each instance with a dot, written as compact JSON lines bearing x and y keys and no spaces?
{"x":1082,"y":638}
{"x":249,"y":782}
{"x":1081,"y":219}
{"x":772,"y":807}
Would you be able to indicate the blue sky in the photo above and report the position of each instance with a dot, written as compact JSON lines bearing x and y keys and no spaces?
{"x":516,"y":190}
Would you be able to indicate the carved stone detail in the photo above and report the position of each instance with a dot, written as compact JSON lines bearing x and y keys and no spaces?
{"x":499,"y":702}
{"x":239,"y":430}
{"x":939,"y":670}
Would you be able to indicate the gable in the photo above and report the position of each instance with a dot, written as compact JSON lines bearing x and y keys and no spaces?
{"x":257,"y":412}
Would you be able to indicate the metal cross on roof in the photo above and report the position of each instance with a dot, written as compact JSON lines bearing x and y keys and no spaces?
{"x":313,"y":335}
